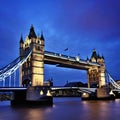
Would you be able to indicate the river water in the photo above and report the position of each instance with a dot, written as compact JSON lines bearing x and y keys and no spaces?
{"x":64,"y":109}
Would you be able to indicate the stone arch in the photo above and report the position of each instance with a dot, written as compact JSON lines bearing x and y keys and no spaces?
{"x":26,"y":82}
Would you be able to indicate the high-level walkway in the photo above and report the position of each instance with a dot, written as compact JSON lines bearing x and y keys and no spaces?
{"x":61,"y":60}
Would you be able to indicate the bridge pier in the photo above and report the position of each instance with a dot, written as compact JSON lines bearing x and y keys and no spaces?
{"x":100,"y":94}
{"x":39,"y":95}
{"x":35,"y":95}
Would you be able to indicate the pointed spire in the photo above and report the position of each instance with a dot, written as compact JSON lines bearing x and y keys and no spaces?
{"x":102,"y":56}
{"x":21,"y":39}
{"x":32,"y":33}
{"x":94,"y":54}
{"x":42,"y":37}
{"x":87,"y":58}
{"x":99,"y":56}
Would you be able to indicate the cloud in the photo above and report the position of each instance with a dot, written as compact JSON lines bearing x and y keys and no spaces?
{"x":98,"y":18}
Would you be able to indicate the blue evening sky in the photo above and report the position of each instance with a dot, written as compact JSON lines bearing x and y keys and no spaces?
{"x":79,"y":25}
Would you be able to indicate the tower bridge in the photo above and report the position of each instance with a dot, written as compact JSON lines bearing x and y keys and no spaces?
{"x":33,"y":68}
{"x":31,"y":63}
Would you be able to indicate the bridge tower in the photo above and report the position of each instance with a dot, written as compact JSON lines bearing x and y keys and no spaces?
{"x":96,"y":75}
{"x":32,"y":71}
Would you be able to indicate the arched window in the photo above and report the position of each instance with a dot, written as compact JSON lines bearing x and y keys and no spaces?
{"x":39,"y":42}
{"x":38,"y":47}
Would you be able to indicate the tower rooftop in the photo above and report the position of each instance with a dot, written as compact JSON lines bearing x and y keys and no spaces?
{"x":32,"y":33}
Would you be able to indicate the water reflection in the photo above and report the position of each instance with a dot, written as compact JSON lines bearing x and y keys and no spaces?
{"x":100,"y":110}
{"x":65,"y":109}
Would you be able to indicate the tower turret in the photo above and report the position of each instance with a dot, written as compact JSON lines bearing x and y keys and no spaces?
{"x":32,"y":33}
{"x":21,"y":41}
{"x":42,"y":37}
{"x":94,"y":56}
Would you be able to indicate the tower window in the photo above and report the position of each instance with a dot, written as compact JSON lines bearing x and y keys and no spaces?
{"x":38,"y":48}
{"x":39,"y":42}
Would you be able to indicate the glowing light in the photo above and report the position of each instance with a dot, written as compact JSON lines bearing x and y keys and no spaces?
{"x":77,"y":58}
{"x":84,"y":94}
{"x":111,"y":93}
{"x":48,"y":93}
{"x":41,"y":92}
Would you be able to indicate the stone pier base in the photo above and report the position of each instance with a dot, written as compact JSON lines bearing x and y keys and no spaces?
{"x":38,"y":95}
{"x":100,"y":94}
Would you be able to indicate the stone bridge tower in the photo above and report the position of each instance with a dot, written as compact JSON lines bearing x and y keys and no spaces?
{"x":96,"y":75}
{"x":32,"y":71}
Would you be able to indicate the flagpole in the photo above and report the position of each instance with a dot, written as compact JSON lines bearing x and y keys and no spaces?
{"x":66,"y":50}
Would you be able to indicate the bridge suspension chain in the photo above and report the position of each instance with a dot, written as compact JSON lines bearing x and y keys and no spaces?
{"x":2,"y":70}
{"x":12,"y":67}
{"x":112,"y":81}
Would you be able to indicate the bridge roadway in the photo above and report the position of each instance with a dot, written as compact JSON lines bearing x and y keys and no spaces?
{"x":61,"y":60}
{"x":12,"y":89}
{"x":55,"y":88}
{"x":78,"y":89}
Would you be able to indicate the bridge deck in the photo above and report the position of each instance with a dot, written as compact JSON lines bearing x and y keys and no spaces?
{"x":11,"y":89}
{"x":81,"y":89}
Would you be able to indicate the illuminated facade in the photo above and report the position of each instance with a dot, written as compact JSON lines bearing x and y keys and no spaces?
{"x":32,"y":71}
{"x":96,"y":75}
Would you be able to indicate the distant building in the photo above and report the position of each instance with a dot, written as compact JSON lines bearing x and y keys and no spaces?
{"x":48,"y":82}
{"x":76,"y":84}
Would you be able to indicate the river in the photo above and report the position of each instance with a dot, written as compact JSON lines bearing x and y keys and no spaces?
{"x":64,"y":109}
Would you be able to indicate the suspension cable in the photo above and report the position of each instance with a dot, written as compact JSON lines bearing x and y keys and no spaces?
{"x":112,"y":81}
{"x":14,"y":78}
{"x":10,"y":81}
{"x":7,"y":71}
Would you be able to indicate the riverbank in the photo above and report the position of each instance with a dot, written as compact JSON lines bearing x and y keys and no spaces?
{"x":5,"y":96}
